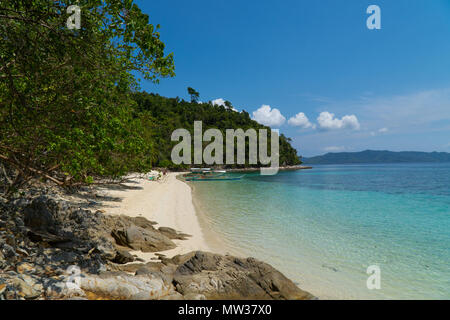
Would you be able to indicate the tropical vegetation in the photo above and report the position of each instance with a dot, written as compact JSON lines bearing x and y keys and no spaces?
{"x":70,"y":106}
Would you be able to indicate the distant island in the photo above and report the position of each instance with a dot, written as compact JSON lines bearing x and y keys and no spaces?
{"x":374,"y":156}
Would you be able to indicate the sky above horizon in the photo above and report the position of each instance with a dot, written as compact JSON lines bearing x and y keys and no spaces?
{"x":314,"y":70}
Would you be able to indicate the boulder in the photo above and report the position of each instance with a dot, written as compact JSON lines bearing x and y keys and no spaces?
{"x":142,"y":222}
{"x":226,"y":277}
{"x":25,"y":267}
{"x":38,"y":236}
{"x":106,"y":249}
{"x":129,"y":267}
{"x":8,"y":251}
{"x":39,"y":215}
{"x":123,"y":256}
{"x":167,"y":278}
{"x":194,"y":296}
{"x":119,"y":285}
{"x":146,"y":240}
{"x":74,"y":236}
{"x":63,"y":290}
{"x":25,"y":290}
{"x":172,"y":233}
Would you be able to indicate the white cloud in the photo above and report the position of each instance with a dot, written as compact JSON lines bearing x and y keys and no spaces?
{"x":268,"y":116}
{"x":406,"y":115}
{"x":218,"y":102}
{"x":300,"y":120}
{"x":221,"y":102}
{"x":327,"y":121}
{"x":422,"y":111}
{"x":334,"y":149}
{"x":382,"y":130}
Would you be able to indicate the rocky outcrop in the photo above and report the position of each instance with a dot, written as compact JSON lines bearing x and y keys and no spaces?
{"x":203,"y":275}
{"x":42,"y":238}
{"x":63,"y":226}
{"x":145,"y":240}
{"x":172,"y":233}
{"x":228,"y":277}
{"x":122,"y":257}
{"x":41,"y":215}
{"x":126,"y":287}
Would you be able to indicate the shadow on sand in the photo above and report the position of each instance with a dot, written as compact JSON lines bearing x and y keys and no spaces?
{"x":92,"y":199}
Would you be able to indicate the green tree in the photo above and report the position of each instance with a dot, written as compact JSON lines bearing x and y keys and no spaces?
{"x":228,"y":105}
{"x":168,"y":114}
{"x":194,"y":94}
{"x":65,"y":106}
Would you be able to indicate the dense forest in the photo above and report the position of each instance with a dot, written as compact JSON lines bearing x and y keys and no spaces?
{"x":70,"y":107}
{"x":164,"y":115}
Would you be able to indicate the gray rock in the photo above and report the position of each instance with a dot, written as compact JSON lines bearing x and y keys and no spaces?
{"x":194,"y":296}
{"x":173,"y":296}
{"x":142,"y":222}
{"x":142,"y":239}
{"x":78,"y":298}
{"x":131,"y":268}
{"x":65,"y":257}
{"x":106,"y":249}
{"x":227,"y":277}
{"x":22,"y":252}
{"x":122,"y":257}
{"x":70,"y":234}
{"x":25,"y":267}
{"x":172,"y":233}
{"x":62,"y":290}
{"x":8,"y":251}
{"x":123,"y":286}
{"x":25,"y":290}
{"x":167,"y":278}
{"x":38,"y":236}
{"x":19,"y":222}
{"x":39,"y":215}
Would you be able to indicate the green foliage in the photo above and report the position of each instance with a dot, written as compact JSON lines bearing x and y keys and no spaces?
{"x":194,"y":94}
{"x":168,"y":114}
{"x":69,"y":110}
{"x":65,"y":94}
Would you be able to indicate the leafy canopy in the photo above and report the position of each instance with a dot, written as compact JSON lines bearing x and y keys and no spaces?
{"x":164,"y":115}
{"x":65,"y":102}
{"x":194,"y":94}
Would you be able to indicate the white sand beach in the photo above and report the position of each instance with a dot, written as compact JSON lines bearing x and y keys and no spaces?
{"x":167,"y":202}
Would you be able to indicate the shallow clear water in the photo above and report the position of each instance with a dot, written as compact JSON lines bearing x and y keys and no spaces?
{"x":323,"y":227}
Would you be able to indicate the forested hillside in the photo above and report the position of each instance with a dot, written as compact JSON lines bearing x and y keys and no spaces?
{"x":69,"y":107}
{"x":161,"y":116}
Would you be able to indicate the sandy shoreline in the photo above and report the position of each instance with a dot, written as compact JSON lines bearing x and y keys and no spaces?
{"x":167,"y":202}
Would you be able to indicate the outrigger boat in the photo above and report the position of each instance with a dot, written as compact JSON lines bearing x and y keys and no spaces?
{"x":206,"y":174}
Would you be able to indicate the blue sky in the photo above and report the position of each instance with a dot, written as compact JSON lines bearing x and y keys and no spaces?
{"x":357,"y":88}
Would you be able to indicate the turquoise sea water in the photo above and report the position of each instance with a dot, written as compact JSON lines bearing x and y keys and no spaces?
{"x":323,"y":227}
